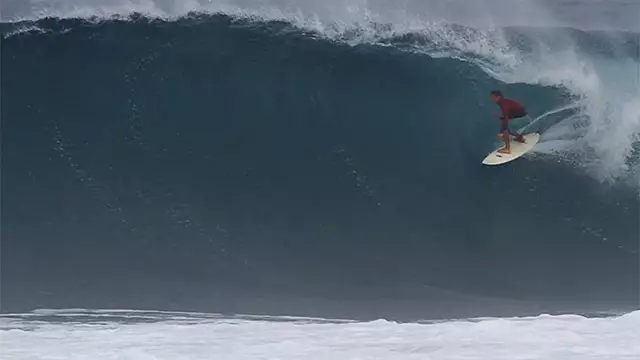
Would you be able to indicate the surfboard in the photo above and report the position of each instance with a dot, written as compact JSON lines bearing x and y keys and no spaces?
{"x":517,"y":149}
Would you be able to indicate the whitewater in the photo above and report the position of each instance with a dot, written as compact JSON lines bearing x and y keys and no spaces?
{"x":128,"y":334}
{"x":596,"y":130}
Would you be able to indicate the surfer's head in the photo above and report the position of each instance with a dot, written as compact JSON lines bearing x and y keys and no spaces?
{"x":496,"y":95}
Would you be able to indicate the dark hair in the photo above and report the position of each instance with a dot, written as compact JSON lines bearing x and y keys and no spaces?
{"x":497,"y":93}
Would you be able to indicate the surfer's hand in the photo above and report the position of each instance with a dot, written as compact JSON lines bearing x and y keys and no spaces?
{"x":500,"y":136}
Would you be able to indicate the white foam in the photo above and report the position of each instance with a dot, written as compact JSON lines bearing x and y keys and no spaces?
{"x":609,"y":93}
{"x":606,"y":92}
{"x":197,"y":336}
{"x":619,"y":13}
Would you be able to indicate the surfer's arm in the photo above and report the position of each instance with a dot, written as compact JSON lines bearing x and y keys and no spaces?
{"x":505,"y":114}
{"x":504,"y":119}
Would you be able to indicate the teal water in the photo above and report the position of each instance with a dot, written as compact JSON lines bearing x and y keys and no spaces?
{"x":220,"y":163}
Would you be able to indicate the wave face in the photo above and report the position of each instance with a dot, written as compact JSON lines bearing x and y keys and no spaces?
{"x":225,"y":163}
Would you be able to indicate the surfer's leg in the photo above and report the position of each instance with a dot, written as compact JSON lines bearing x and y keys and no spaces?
{"x":519,"y":137}
{"x":507,"y":143}
{"x":504,"y":130}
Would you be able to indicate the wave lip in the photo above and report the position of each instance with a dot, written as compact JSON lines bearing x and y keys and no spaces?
{"x":587,"y":15}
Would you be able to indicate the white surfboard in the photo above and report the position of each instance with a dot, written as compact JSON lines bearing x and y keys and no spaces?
{"x":517,"y":149}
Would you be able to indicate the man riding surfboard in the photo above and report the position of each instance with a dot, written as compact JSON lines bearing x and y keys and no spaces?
{"x":511,"y":109}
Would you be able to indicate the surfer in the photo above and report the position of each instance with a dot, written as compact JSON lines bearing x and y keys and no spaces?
{"x":511,"y":109}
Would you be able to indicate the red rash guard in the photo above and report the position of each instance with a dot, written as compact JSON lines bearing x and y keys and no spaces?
{"x":510,"y":109}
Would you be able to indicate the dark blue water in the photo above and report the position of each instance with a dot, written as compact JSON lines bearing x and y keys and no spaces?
{"x":224,"y":165}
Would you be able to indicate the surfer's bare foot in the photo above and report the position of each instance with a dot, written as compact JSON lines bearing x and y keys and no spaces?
{"x":521,"y":139}
{"x":504,"y":151}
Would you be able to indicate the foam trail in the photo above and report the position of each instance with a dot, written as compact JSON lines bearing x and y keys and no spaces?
{"x":572,"y":106}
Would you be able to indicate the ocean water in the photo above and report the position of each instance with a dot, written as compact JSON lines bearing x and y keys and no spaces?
{"x":306,"y":161}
